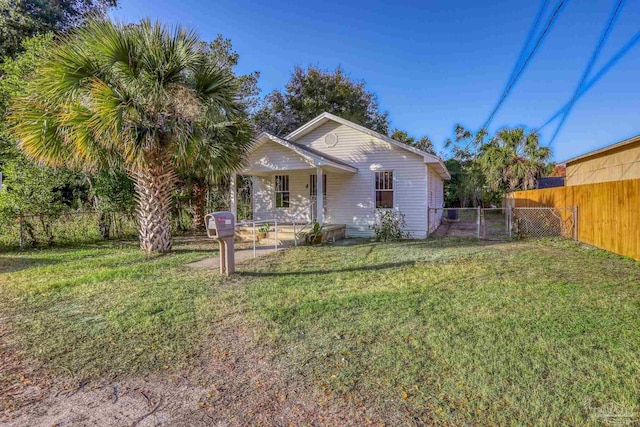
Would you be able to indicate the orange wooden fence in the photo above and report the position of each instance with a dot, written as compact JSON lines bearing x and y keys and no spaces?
{"x":608,"y":212}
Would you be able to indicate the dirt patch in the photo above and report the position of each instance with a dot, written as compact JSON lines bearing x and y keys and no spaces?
{"x":23,"y":382}
{"x":457,"y":229}
{"x":235,"y":384}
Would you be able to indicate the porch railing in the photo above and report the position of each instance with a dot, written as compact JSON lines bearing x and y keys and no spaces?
{"x":254,"y":235}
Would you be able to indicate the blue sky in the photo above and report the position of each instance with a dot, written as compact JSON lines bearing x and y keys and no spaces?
{"x":435,"y":63}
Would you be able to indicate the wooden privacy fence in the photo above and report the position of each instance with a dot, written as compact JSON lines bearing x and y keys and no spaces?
{"x":608,"y":212}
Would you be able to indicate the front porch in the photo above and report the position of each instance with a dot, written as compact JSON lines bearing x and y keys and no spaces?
{"x":293,"y":184}
{"x":285,"y":234}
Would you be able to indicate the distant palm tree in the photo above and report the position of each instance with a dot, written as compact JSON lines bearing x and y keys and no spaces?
{"x":513,"y":159}
{"x":142,"y":97}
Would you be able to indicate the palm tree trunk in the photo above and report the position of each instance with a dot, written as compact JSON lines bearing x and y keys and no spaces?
{"x":154,"y":186}
{"x":198,"y":200}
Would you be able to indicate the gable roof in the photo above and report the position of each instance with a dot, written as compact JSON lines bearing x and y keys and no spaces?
{"x":605,"y":149}
{"x":313,"y":156}
{"x":435,"y":161}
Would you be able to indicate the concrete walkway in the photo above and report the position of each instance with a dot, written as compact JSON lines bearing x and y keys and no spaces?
{"x":241,"y":255}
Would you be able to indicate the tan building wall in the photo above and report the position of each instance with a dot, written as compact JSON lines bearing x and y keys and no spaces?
{"x":615,"y":164}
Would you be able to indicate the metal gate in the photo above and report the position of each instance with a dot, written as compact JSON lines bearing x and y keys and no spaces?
{"x":504,"y":223}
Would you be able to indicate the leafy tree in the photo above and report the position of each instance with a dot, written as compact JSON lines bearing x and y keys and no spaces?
{"x":557,"y":170}
{"x":31,"y":193}
{"x":142,"y":97}
{"x":36,"y":194}
{"x":425,"y":144}
{"x":221,"y":53}
{"x":312,"y":91}
{"x":454,"y":188}
{"x":21,"y":19}
{"x":113,"y":193}
{"x":469,"y":180}
{"x":15,"y":72}
{"x":107,"y":189}
{"x":513,"y":160}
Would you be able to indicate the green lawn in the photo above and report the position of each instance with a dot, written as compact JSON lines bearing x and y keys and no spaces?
{"x":442,"y":331}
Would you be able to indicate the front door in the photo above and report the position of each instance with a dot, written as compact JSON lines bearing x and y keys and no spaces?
{"x":313,"y":193}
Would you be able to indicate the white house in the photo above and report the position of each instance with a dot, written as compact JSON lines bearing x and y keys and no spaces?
{"x":337,"y":172}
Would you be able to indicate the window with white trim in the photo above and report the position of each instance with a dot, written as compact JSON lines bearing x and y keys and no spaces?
{"x":313,"y":184}
{"x":384,"y":189}
{"x":282,"y":191}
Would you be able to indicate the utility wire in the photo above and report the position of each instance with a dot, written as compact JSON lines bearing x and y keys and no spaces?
{"x":601,"y":73}
{"x":524,"y":65}
{"x":592,"y":60}
{"x":527,"y":42}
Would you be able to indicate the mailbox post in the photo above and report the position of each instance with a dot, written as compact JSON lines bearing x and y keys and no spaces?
{"x":221,"y":226}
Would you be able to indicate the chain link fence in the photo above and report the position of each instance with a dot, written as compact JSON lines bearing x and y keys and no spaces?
{"x":73,"y":227}
{"x":505,"y":223}
{"x":544,"y":222}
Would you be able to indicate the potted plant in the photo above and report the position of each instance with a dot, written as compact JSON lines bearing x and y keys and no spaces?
{"x":262,"y":231}
{"x":314,"y":237}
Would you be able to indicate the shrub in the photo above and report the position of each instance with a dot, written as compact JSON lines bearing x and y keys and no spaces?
{"x":390,"y":226}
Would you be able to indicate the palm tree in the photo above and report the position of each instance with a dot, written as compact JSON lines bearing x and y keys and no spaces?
{"x":206,"y":173}
{"x":513,"y":159}
{"x":142,"y":97}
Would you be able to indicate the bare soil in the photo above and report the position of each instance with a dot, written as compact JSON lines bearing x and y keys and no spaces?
{"x":235,"y":384}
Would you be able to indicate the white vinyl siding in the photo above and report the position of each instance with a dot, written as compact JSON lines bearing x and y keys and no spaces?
{"x":350,"y":197}
{"x":271,"y":156}
{"x":264,"y":198}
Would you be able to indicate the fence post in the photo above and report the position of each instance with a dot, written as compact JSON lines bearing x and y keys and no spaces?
{"x":510,"y":221}
{"x":506,"y":221}
{"x":21,"y":234}
{"x":575,"y":223}
{"x":478,"y":222}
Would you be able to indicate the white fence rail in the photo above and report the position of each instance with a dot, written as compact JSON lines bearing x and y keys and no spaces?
{"x":253,"y":224}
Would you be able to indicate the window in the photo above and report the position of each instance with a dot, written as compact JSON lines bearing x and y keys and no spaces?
{"x":384,"y":190}
{"x":282,"y":191}
{"x":313,"y":187}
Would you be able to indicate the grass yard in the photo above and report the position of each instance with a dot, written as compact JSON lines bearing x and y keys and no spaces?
{"x":439,"y":332}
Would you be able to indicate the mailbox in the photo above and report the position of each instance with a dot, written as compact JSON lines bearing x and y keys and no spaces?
{"x":221,"y":226}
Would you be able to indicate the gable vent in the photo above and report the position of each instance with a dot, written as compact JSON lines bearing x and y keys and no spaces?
{"x":331,"y":139}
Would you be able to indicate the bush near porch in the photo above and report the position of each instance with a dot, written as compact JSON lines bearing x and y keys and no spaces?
{"x":440,"y":331}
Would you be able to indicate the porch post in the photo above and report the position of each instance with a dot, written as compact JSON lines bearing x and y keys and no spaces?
{"x":319,"y":196}
{"x":233,"y":196}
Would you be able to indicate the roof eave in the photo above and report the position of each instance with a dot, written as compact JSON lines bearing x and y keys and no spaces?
{"x":619,"y":144}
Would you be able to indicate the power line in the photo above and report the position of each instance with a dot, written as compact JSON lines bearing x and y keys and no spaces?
{"x":539,"y":41}
{"x":592,"y":60}
{"x":601,"y":73}
{"x":527,"y":42}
